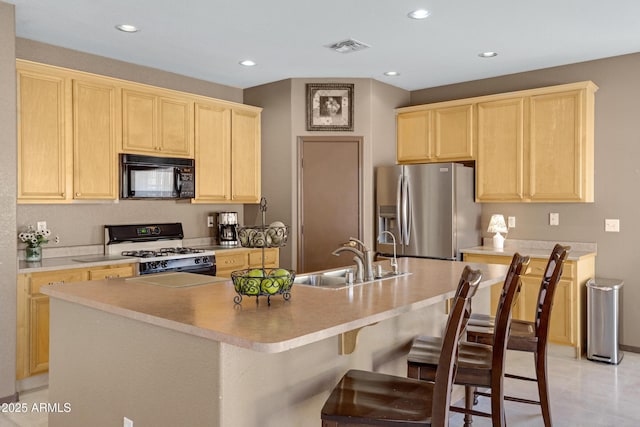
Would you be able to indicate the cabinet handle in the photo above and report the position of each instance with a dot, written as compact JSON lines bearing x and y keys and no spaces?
{"x":62,"y":194}
{"x":77,"y":194}
{"x":61,"y":282}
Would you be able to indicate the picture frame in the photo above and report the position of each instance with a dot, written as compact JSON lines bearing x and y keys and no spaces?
{"x":330,"y":106}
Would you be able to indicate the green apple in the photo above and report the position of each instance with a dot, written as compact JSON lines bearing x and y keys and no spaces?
{"x":256,"y":272}
{"x":270,"y":286}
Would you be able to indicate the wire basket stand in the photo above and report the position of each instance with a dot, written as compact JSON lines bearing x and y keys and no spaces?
{"x":261,"y":281}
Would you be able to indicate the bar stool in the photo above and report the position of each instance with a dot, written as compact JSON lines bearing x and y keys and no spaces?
{"x":371,"y":398}
{"x":478,"y":365}
{"x":529,"y":336}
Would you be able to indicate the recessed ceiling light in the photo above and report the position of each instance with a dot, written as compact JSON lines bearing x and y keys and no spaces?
{"x":247,"y":63}
{"x":392,"y":73}
{"x":419,"y":14}
{"x":487,"y":54}
{"x":127,"y":28}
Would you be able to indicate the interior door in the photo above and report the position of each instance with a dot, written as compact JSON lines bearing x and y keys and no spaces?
{"x":330,"y":182}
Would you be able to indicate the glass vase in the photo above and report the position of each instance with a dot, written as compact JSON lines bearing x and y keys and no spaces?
{"x":33,"y":253}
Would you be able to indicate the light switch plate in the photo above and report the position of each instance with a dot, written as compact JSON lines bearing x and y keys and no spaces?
{"x":554,"y":219}
{"x":612,"y":225}
{"x":511,"y":222}
{"x":41,"y":225}
{"x":210,"y":221}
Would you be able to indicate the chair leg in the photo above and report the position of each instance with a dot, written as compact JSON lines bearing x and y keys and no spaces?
{"x":497,"y":403}
{"x":543,"y":387}
{"x":469,"y":396}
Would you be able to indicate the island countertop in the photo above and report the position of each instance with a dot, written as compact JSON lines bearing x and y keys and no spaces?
{"x":311,"y":315}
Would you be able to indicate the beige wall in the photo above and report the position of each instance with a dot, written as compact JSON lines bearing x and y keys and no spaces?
{"x":617,"y":150}
{"x":8,"y":239}
{"x":284,"y":122}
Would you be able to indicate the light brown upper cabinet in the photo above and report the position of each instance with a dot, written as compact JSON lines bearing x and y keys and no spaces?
{"x":227,"y":145}
{"x":435,"y":133}
{"x":67,"y":136}
{"x":72,"y":125}
{"x":44,"y":140}
{"x":156,"y":122}
{"x":537,"y":146}
{"x":95,"y":140}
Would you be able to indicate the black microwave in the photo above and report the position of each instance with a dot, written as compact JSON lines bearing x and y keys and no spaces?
{"x":149,"y":177}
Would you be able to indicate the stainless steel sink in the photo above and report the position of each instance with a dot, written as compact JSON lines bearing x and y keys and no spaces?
{"x":336,"y":279}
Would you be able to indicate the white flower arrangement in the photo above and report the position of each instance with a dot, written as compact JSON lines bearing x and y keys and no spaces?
{"x":34,"y":238}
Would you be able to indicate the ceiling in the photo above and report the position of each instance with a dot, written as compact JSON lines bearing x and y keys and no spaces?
{"x":207,"y":39}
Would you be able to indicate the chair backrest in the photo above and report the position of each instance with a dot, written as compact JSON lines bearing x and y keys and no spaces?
{"x":469,"y":281}
{"x":547,"y":290}
{"x":512,"y":283}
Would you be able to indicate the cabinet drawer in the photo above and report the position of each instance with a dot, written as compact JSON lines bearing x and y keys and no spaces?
{"x":234,"y":261}
{"x":111,"y":272}
{"x":270,"y":258}
{"x":537,"y":266}
{"x":54,"y":277}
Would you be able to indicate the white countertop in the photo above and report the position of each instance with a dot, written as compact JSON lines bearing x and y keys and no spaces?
{"x":534,"y":249}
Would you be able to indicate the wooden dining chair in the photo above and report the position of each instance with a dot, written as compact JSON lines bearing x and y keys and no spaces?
{"x":478,"y":365}
{"x":529,"y":336}
{"x":371,"y":398}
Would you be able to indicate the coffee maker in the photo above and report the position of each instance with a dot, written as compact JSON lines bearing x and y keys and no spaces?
{"x":228,"y":228}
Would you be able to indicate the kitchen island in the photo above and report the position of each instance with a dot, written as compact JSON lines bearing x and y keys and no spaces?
{"x":189,"y":356}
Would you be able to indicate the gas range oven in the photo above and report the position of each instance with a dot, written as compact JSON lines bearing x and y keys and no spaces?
{"x":158,"y":248}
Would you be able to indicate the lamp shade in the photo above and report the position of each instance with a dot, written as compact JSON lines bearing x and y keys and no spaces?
{"x":497,"y":224}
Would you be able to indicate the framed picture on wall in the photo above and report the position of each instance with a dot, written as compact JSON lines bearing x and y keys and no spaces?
{"x":330,"y":106}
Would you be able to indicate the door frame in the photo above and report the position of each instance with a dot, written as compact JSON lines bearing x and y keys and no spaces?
{"x":299,"y":213}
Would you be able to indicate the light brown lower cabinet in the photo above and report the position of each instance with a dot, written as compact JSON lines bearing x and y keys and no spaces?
{"x":240,"y":259}
{"x":32,"y":339}
{"x":568,"y":315}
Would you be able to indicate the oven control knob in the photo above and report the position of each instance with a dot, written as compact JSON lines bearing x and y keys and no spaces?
{"x":197,"y":260}
{"x":163,"y":264}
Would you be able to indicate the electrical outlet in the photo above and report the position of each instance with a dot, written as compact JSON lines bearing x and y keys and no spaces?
{"x":511,"y":222}
{"x":612,"y":225}
{"x":41,"y":225}
{"x":127,"y":422}
{"x":554,"y":219}
{"x":210,"y":221}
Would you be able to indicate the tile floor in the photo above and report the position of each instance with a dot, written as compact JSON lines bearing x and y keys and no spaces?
{"x":584,"y":394}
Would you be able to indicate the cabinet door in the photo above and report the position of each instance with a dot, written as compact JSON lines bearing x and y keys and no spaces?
{"x":139,"y":122}
{"x":500,"y":156}
{"x":563,"y":327}
{"x":213,"y":152}
{"x":43,"y":139}
{"x":39,"y":334}
{"x":94,"y":140}
{"x":453,"y":133}
{"x":175,"y":124}
{"x":413,"y":136}
{"x":271,"y":258}
{"x":557,"y":147}
{"x":245,"y":156}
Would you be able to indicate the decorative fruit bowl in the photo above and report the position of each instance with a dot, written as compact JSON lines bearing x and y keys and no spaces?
{"x":260,"y":281}
{"x":261,"y":236}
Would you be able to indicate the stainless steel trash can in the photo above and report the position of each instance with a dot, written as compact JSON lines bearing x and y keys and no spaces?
{"x":603,"y":310}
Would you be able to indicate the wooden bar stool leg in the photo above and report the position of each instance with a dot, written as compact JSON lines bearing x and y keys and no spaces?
{"x":543,"y":387}
{"x":469,"y":396}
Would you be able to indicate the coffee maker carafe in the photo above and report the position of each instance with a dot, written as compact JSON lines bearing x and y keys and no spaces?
{"x":228,"y":228}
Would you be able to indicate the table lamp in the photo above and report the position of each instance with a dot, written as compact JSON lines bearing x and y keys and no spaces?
{"x":497,"y":225}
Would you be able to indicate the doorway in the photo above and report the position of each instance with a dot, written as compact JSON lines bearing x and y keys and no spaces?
{"x":329,"y":199}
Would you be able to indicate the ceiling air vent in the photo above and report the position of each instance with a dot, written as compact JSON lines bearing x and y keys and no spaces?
{"x":348,"y":46}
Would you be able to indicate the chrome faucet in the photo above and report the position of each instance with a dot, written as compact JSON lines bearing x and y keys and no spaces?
{"x":363,"y":258}
{"x":394,"y":261}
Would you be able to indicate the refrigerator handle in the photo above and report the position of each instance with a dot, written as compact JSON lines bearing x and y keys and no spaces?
{"x":399,"y":218}
{"x":407,"y":212}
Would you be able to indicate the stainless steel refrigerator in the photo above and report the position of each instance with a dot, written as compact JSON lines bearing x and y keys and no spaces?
{"x":430,"y":209}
